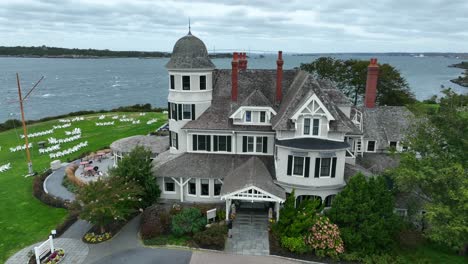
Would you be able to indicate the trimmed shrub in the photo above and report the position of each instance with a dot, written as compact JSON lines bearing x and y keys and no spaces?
{"x":295,"y":244}
{"x":212,"y":238}
{"x":188,"y":221}
{"x":155,"y":221}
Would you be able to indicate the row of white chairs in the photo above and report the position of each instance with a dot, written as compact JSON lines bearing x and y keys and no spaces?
{"x":5,"y":167}
{"x":101,"y":117}
{"x":18,"y":148}
{"x":49,"y":149}
{"x":63,"y":140}
{"x":151,"y":121}
{"x":105,"y":123}
{"x":62,"y":126}
{"x":68,"y":151}
{"x":142,"y":114}
{"x":136,"y":122}
{"x":75,"y":131}
{"x":77,"y":118}
{"x":40,"y":133}
{"x":126,"y":119}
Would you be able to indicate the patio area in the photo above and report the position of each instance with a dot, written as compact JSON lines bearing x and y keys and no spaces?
{"x":93,"y":168}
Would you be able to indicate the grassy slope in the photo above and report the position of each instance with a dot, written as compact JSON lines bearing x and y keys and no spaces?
{"x":430,"y":253}
{"x":25,"y":220}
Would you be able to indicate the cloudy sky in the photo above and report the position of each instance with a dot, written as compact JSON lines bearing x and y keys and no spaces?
{"x":267,"y":25}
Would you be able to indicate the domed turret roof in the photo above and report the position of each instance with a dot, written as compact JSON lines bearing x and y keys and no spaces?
{"x":190,"y":53}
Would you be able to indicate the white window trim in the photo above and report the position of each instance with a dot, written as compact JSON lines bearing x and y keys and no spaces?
{"x":182,"y":83}
{"x":309,"y":101}
{"x":190,"y":110}
{"x":188,"y":188}
{"x":245,"y":116}
{"x":367,"y":146}
{"x":214,"y":182}
{"x":164,"y":187}
{"x":311,"y":125}
{"x":303,"y":167}
{"x":329,"y":172}
{"x":227,"y":139}
{"x":200,"y":183}
{"x":255,"y":146}
{"x":260,"y":117}
{"x":211,"y":143}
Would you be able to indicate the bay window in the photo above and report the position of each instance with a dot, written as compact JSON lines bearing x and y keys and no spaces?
{"x":204,"y":187}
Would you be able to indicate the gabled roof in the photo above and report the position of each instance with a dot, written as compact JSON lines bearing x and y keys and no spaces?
{"x":386,"y":123}
{"x":253,"y":173}
{"x":256,"y":86}
{"x":305,"y":86}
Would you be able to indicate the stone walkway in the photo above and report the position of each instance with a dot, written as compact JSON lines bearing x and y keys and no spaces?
{"x":75,"y":251}
{"x":53,"y":185}
{"x":249,"y":234}
{"x":104,"y":165}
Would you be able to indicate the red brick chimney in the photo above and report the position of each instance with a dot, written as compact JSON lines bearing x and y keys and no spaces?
{"x":241,"y":61}
{"x":279,"y":76}
{"x":234,"y":75}
{"x":245,"y":61}
{"x":371,"y":84}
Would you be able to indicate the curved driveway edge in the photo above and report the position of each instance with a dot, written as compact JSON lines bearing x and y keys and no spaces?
{"x":54,"y":187}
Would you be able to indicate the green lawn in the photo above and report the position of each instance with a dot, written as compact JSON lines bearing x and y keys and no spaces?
{"x":25,"y":220}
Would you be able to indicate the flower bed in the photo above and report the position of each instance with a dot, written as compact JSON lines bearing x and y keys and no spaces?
{"x":94,"y":238}
{"x":54,"y":258}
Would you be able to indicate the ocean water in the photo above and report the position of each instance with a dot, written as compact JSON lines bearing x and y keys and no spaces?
{"x":93,"y":84}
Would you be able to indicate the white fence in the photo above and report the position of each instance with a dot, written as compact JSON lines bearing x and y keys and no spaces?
{"x":44,"y":249}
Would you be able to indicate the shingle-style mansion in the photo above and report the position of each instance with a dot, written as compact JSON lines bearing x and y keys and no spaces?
{"x":254,"y":135}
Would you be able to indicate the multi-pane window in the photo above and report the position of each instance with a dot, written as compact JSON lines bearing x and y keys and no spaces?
{"x":174,"y":111}
{"x":370,"y":145}
{"x":248,"y":116}
{"x":393,"y":144}
{"x":325,"y":166}
{"x":201,"y":142}
{"x":203,"y":82}
{"x":173,"y":139}
{"x":315,"y":127}
{"x":250,"y":144}
{"x":217,"y":187}
{"x":172,"y":81}
{"x":192,"y":187}
{"x":306,"y":126}
{"x":259,"y":145}
{"x":262,"y":117}
{"x":222,"y":143}
{"x":298,"y":166}
{"x":204,"y":187}
{"x":186,"y":82}
{"x":169,"y":185}
{"x":187,"y":111}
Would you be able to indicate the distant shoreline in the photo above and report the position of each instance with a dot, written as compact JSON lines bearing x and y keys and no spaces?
{"x":462,"y":80}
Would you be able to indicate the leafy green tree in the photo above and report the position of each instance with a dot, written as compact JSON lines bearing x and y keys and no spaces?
{"x":350,"y":76}
{"x":434,"y":170}
{"x":136,"y":167}
{"x":188,"y":221}
{"x":364,"y":213}
{"x":108,"y":200}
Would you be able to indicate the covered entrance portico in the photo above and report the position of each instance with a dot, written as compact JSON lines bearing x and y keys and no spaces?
{"x":251,"y":194}
{"x":251,"y":182}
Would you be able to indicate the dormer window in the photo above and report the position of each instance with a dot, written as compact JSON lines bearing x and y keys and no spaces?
{"x":248,"y":116}
{"x":315,"y":126}
{"x":262,"y":117}
{"x":185,"y":82}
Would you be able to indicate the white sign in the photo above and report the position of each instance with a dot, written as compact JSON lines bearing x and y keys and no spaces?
{"x":44,"y":249}
{"x":211,"y":214}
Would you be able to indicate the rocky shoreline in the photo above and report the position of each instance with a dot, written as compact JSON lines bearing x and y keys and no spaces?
{"x":462,"y":80}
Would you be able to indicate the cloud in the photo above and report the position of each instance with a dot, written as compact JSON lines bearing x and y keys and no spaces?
{"x":301,"y":26}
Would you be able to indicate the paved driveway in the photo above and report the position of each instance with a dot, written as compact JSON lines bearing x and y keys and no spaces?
{"x":148,"y":256}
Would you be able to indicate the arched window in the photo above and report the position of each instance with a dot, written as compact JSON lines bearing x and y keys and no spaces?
{"x":329,"y":200}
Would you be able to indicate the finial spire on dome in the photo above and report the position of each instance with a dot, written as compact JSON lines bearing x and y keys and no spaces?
{"x":189,"y":28}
